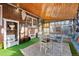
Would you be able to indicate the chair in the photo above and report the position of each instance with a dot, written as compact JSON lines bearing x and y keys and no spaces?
{"x":44,"y":43}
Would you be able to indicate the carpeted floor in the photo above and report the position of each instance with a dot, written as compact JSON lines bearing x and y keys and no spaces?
{"x":53,"y":49}
{"x":15,"y":50}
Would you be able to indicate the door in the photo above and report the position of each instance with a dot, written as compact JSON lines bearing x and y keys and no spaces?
{"x":1,"y":34}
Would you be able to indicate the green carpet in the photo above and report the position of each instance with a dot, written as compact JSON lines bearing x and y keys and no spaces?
{"x":73,"y":50}
{"x":15,"y":50}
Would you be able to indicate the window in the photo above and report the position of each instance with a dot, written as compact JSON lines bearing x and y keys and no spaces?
{"x":34,"y":21}
{"x":29,"y":21}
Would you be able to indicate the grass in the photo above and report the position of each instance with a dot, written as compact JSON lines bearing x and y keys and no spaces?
{"x":73,"y":50}
{"x":15,"y":50}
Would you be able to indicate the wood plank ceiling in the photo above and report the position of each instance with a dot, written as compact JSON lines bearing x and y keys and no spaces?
{"x":52,"y":11}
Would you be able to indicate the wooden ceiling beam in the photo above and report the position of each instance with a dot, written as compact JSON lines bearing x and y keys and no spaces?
{"x":51,"y":11}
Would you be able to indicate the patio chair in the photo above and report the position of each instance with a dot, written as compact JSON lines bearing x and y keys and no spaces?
{"x":44,"y":43}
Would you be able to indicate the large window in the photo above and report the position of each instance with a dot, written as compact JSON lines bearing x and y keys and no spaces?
{"x":61,"y":26}
{"x":46,"y":27}
{"x":29,"y":21}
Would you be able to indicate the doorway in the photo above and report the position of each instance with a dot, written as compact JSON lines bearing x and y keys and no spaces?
{"x":1,"y":34}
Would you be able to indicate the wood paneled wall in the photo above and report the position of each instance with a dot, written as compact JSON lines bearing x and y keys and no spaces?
{"x":10,"y":12}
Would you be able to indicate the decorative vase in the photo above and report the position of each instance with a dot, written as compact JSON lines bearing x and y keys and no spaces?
{"x":12,"y":27}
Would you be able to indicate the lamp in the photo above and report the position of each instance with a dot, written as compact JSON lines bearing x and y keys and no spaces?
{"x":23,"y":15}
{"x":17,"y":10}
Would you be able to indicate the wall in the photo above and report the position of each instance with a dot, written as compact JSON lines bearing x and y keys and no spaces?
{"x":9,"y":12}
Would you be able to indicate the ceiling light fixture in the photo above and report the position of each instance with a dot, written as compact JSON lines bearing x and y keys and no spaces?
{"x":23,"y":13}
{"x":17,"y":10}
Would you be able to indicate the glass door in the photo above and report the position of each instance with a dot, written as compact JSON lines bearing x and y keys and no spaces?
{"x":1,"y":28}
